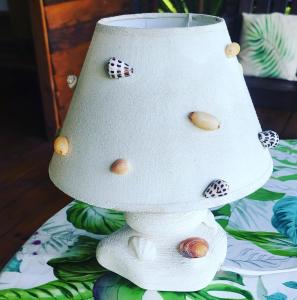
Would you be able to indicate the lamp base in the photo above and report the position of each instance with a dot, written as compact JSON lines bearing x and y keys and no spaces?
{"x":146,"y":251}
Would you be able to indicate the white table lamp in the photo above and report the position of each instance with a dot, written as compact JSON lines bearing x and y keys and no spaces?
{"x":161,"y":126}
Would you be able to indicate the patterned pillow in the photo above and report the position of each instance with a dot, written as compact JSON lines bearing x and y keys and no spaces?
{"x":269,"y":45}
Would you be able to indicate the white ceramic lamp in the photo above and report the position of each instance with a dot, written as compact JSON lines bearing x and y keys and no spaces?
{"x":160,"y":111}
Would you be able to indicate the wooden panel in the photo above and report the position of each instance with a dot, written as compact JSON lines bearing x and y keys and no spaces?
{"x":46,"y":82}
{"x":263,"y":6}
{"x":70,"y":61}
{"x":246,"y":6}
{"x":67,"y":14}
{"x":279,"y":6}
{"x":72,"y":36}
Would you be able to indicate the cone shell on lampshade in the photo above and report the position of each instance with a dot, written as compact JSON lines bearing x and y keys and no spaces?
{"x":61,"y":145}
{"x":269,"y":139}
{"x":120,"y":167}
{"x":216,"y":188}
{"x":71,"y":81}
{"x":193,"y":247}
{"x":143,"y":248}
{"x":118,"y":69}
{"x":204,"y":120}
{"x":232,"y":49}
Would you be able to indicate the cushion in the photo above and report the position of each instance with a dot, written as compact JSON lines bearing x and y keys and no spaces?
{"x":269,"y":45}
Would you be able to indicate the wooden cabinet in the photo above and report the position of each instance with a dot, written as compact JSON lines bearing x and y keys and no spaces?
{"x":62,"y":32}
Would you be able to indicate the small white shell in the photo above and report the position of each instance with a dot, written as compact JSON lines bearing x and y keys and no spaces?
{"x":269,"y":139}
{"x":143,"y":248}
{"x":71,"y":80}
{"x":117,"y":68}
{"x":232,"y":50}
{"x":216,"y":188}
{"x":204,"y":120}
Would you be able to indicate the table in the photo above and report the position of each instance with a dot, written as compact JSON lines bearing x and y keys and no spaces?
{"x":58,"y":261}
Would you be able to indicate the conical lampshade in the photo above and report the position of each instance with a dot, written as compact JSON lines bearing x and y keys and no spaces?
{"x":144,"y":118}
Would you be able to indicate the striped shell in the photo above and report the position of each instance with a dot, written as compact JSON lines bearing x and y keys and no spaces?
{"x":118,"y":68}
{"x":193,"y":247}
{"x":269,"y":139}
{"x":143,"y":248}
{"x":216,"y":188}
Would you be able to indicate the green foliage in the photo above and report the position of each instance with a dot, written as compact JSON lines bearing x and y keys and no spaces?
{"x":94,"y":219}
{"x":79,"y":263}
{"x":265,"y":195}
{"x":185,"y":6}
{"x":268,"y":45}
{"x":53,"y":290}
{"x":230,"y":276}
{"x":222,"y":215}
{"x":272,"y":242}
{"x":114,"y":287}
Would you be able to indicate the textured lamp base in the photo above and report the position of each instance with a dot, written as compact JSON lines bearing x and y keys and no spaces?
{"x":146,"y":251}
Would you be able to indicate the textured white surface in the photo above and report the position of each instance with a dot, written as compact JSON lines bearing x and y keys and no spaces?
{"x":144,"y":118}
{"x":168,"y":270}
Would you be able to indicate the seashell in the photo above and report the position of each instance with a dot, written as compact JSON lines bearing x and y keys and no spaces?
{"x":269,"y":139}
{"x":118,"y":68}
{"x":232,"y":49}
{"x":143,"y":248}
{"x":216,"y":188}
{"x":204,"y":120}
{"x":71,"y":80}
{"x":120,"y":167}
{"x":61,"y":145}
{"x":193,"y":247}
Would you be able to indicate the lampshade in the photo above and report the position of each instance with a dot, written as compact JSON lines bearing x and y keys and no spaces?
{"x":179,"y":66}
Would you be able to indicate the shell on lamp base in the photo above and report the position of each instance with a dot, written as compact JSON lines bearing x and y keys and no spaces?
{"x":204,"y":120}
{"x":61,"y":145}
{"x":232,"y":49}
{"x":118,"y":69}
{"x":216,"y":188}
{"x":143,"y":248}
{"x":269,"y":139}
{"x":193,"y":247}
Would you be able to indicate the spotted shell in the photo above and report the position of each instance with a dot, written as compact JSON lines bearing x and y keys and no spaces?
{"x":269,"y":139}
{"x":61,"y":145}
{"x":143,"y":248}
{"x":232,"y":49}
{"x":193,"y":247}
{"x":120,"y":167}
{"x":204,"y":120}
{"x":117,"y":68}
{"x":216,"y":188}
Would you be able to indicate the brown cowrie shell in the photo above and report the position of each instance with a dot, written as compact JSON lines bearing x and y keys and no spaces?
{"x":204,"y":120}
{"x":232,"y":49}
{"x":193,"y":247}
{"x":120,"y":167}
{"x":61,"y":145}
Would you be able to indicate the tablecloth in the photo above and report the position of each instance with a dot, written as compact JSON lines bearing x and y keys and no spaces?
{"x":58,"y":261}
